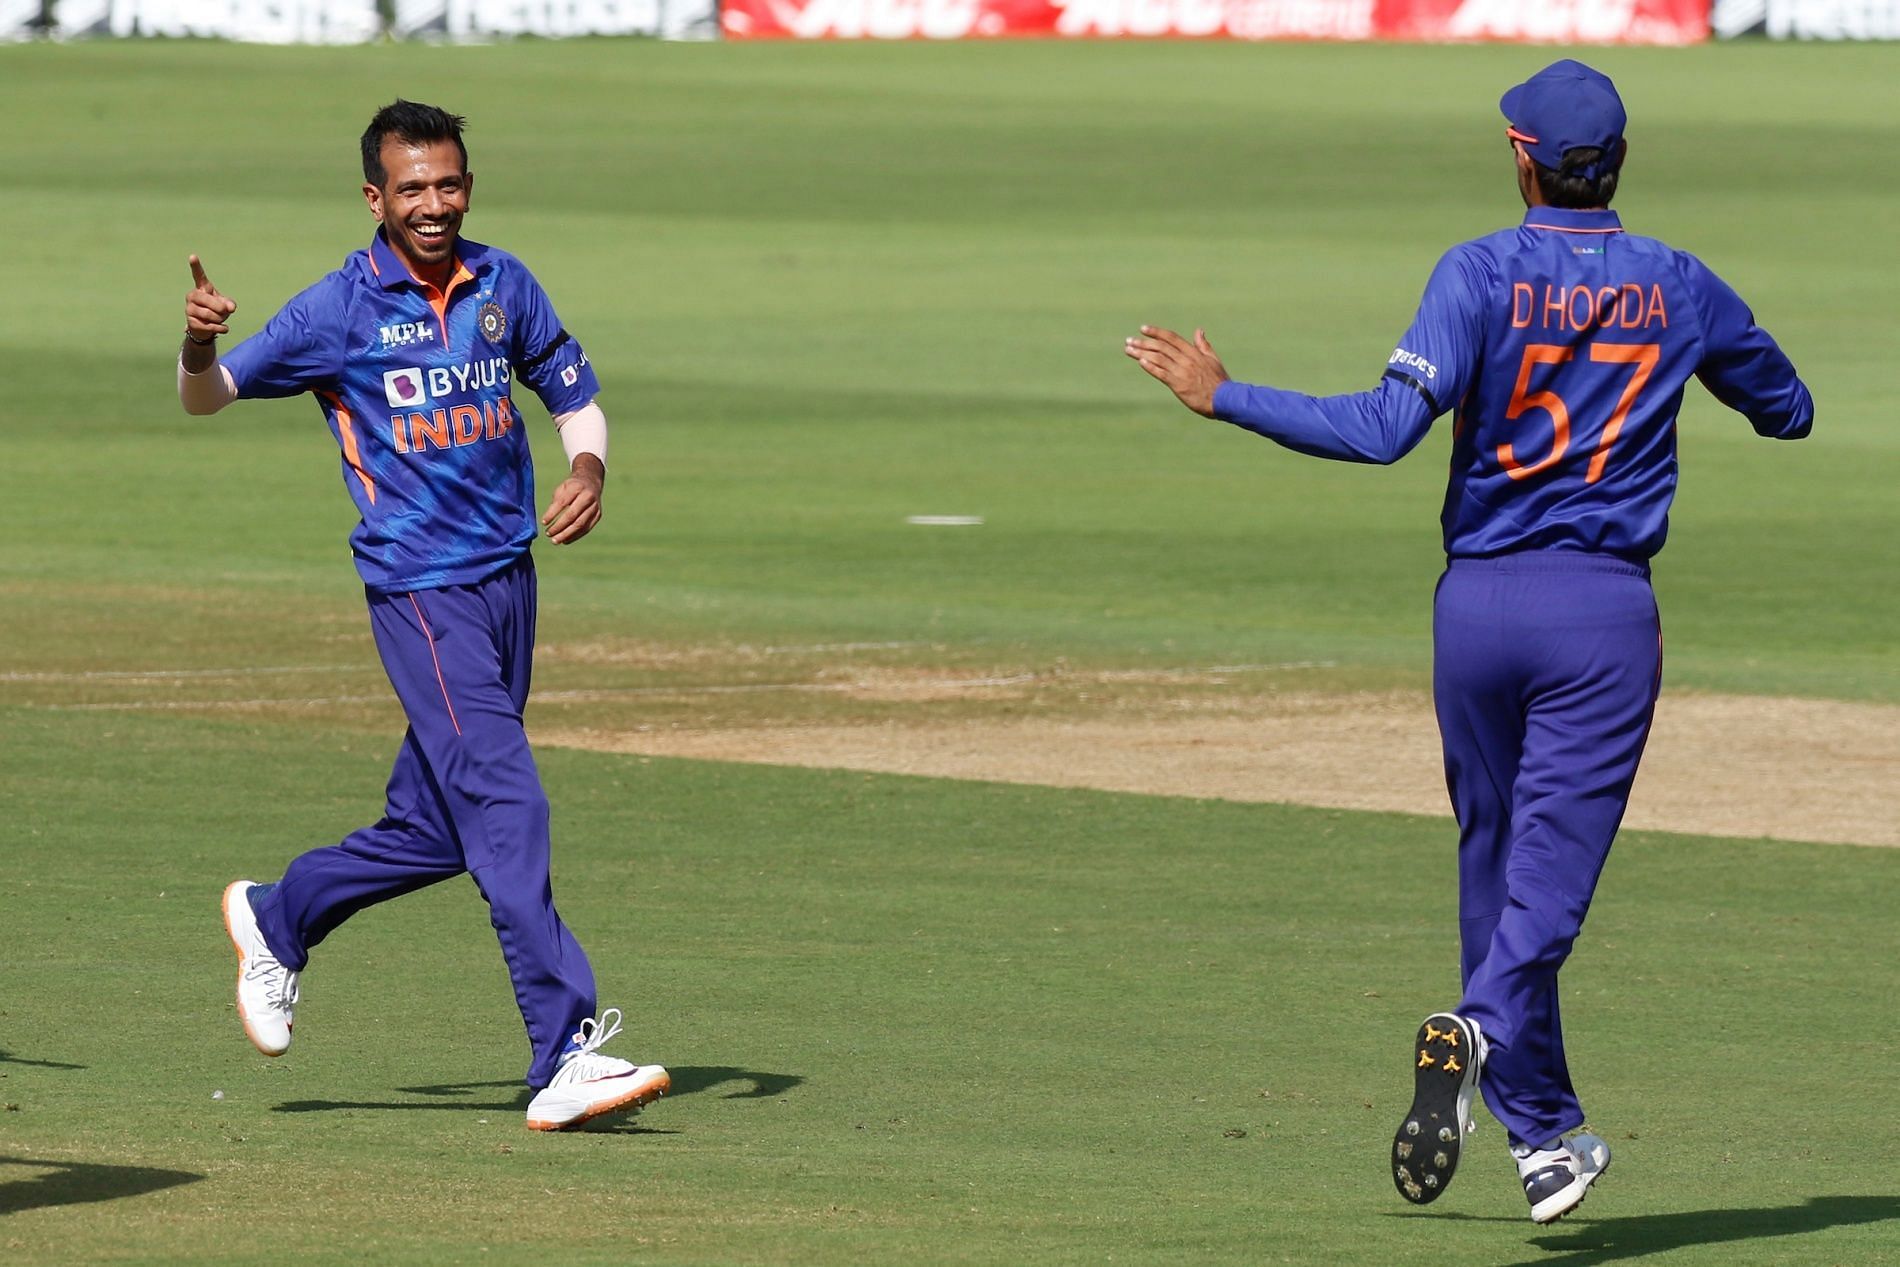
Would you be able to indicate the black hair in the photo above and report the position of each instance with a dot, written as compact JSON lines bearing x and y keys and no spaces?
{"x":413,"y":123}
{"x":1568,"y":186}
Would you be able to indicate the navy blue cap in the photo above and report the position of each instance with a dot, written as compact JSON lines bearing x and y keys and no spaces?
{"x":1563,"y":107}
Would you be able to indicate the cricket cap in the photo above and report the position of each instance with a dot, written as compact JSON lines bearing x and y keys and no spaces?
{"x":1563,"y":107}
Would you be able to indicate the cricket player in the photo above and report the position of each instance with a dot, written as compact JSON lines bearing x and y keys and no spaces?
{"x":1561,"y":347}
{"x":413,"y":350}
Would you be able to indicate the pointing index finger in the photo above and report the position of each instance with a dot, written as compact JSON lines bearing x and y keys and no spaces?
{"x":198,"y":275}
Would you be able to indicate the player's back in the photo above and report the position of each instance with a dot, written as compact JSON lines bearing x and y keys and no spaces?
{"x":1566,"y":435}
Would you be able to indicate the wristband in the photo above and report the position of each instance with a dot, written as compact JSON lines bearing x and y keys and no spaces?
{"x":203,"y":343}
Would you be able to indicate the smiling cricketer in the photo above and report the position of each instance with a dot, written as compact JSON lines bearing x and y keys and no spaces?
{"x":413,"y":349}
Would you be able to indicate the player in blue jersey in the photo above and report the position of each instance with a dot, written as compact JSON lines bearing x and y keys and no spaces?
{"x":1562,"y":347}
{"x":413,"y":349}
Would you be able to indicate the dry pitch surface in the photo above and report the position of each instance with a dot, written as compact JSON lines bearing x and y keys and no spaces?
{"x":1717,"y":765}
{"x":1721,"y":765}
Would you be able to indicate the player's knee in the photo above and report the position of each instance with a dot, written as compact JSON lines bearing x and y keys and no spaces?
{"x":1552,"y":914}
{"x":518,"y":894}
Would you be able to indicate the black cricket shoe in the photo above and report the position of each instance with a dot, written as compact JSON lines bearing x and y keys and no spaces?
{"x":1556,"y":1180}
{"x":1446,"y":1061}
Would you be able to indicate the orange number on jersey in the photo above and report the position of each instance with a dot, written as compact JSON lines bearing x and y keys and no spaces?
{"x":1641,"y":356}
{"x":1550,"y":402}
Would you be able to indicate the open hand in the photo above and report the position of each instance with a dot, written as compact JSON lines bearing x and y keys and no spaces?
{"x":205,"y":308}
{"x":1190,"y":370}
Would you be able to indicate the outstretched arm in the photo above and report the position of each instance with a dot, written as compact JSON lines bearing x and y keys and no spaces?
{"x":1426,"y":375}
{"x":204,"y":386}
{"x":1381,"y":425}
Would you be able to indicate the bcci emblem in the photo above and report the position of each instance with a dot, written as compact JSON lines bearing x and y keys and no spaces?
{"x":493,"y":322}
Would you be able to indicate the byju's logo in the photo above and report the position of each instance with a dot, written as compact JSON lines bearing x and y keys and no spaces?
{"x":408,"y":332}
{"x":1415,"y":361}
{"x":403,"y":388}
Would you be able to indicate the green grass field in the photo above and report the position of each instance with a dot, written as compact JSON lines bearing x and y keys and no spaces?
{"x":909,"y":1020}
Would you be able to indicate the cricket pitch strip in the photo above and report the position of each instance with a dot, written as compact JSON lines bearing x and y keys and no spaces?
{"x":1717,"y":765}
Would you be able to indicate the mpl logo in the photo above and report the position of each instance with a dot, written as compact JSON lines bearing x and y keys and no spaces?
{"x":403,"y":388}
{"x":407,"y":332}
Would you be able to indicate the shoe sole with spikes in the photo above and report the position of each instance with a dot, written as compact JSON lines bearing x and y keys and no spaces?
{"x":1445,"y":1066}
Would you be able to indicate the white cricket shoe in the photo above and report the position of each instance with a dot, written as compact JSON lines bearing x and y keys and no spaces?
{"x":589,"y":1084}
{"x":266,"y":990}
{"x":1556,"y":1179}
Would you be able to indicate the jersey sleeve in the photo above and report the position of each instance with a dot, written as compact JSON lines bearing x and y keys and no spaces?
{"x":1742,"y":365}
{"x":545,"y":356}
{"x":298,"y":350}
{"x":1427,"y":375}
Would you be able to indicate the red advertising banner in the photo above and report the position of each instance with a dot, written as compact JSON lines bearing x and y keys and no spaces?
{"x":1540,"y":21}
{"x":1548,"y":21}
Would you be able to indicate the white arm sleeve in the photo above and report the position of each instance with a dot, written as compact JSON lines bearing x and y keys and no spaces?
{"x":206,"y":393}
{"x":583,"y":431}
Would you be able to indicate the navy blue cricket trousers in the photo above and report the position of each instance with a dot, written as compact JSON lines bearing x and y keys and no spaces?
{"x":464,"y":797}
{"x":1546,"y":666}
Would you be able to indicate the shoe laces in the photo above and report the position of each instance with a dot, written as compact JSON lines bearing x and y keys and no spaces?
{"x":592,"y":1033}
{"x":583,"y":1061}
{"x":279,"y":982}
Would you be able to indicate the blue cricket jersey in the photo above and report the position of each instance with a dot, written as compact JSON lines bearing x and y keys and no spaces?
{"x":415,"y":385}
{"x":1564,"y":346}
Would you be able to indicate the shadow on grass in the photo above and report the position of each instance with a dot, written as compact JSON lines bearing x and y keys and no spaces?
{"x":687,"y":1080}
{"x":446,"y":1095}
{"x":1585,"y":1243}
{"x":81,"y":1182}
{"x":692,"y":1079}
{"x":1613,"y":1240}
{"x":8,"y":1058}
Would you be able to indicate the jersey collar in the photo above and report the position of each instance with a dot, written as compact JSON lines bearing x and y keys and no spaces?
{"x":1564,"y":220}
{"x":390,"y":270}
